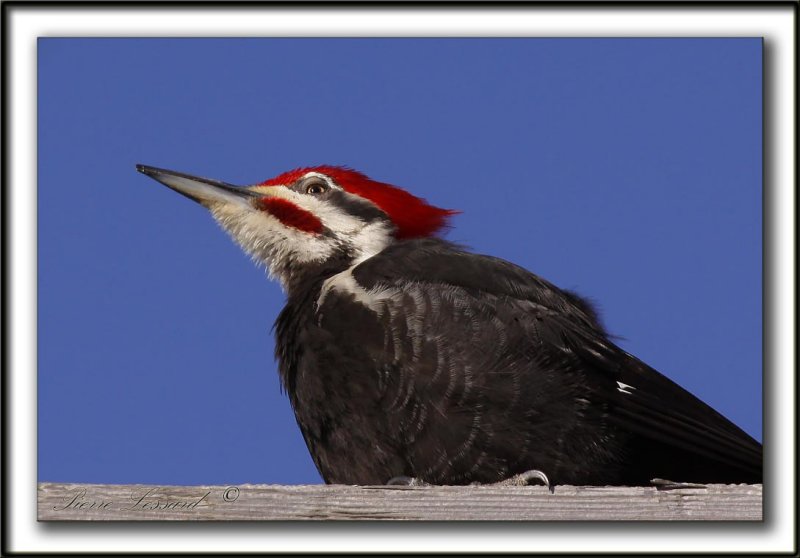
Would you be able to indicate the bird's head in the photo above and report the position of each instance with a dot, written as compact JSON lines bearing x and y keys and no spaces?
{"x":314,"y":218}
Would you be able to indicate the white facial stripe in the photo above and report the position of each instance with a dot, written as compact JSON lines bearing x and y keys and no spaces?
{"x":282,"y":248}
{"x":332,"y":217}
{"x":369,"y":239}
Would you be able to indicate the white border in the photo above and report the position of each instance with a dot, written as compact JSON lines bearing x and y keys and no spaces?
{"x":775,"y":23}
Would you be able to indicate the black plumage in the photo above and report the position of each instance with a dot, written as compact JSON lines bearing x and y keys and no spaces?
{"x":404,"y":355}
{"x":453,"y":368}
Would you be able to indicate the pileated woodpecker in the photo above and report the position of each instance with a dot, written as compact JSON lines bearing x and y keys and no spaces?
{"x":406,"y":356}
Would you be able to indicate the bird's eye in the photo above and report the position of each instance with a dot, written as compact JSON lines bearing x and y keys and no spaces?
{"x":316,"y":188}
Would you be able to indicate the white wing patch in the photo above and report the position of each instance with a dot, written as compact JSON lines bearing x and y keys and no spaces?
{"x":623,"y":388}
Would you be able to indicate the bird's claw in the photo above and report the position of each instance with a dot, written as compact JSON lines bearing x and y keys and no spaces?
{"x":523,"y":479}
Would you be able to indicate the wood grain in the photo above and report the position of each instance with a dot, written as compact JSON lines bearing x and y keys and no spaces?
{"x":256,"y":502}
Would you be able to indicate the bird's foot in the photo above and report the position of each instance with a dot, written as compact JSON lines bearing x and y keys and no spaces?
{"x":523,"y":479}
{"x":403,"y":480}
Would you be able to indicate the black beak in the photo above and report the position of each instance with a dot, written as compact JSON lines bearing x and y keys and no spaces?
{"x":205,"y":191}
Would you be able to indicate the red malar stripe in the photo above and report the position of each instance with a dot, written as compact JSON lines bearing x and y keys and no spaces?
{"x":291,"y":215}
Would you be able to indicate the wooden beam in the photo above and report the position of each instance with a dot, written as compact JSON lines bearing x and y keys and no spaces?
{"x":255,"y":502}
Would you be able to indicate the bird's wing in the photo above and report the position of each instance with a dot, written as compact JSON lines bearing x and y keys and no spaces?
{"x":537,"y":343}
{"x":645,"y":402}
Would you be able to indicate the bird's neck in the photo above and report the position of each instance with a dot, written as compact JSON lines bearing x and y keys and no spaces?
{"x":300,"y":277}
{"x":299,"y":281}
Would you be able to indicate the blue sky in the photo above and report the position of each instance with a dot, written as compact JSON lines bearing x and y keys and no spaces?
{"x":628,"y":170}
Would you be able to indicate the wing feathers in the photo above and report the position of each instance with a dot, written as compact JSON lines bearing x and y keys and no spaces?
{"x":505,"y":368}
